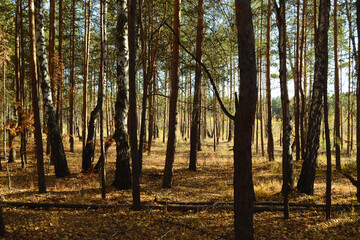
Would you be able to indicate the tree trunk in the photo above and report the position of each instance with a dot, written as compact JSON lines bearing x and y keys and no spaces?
{"x":22,"y":90}
{"x":174,"y":91}
{"x":244,"y":119}
{"x":132,"y":121}
{"x":122,"y":172}
{"x":286,"y":128}
{"x":302,"y":88}
{"x":57,"y":148}
{"x":307,"y":176}
{"x":358,"y":101}
{"x":102,"y":79}
{"x":230,"y":97}
{"x":296,"y":84}
{"x":195,"y":118}
{"x":17,"y":63}
{"x":337,"y":97}
{"x":261,"y":115}
{"x":270,"y":145}
{"x":72,"y":79}
{"x":328,"y":152}
{"x":61,"y":72}
{"x":86,"y":66}
{"x":35,"y":102}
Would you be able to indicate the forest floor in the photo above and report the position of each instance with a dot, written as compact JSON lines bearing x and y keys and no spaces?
{"x":211,"y":183}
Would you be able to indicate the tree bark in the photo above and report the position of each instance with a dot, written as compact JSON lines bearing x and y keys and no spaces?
{"x":35,"y":102}
{"x":358,"y":101}
{"x":72,"y":79}
{"x":86,"y":66}
{"x":307,"y":176}
{"x":122,"y":172}
{"x":270,"y":145}
{"x":286,"y":128}
{"x":195,"y":118}
{"x":337,"y":96}
{"x":132,"y":121}
{"x":244,"y":119}
{"x":57,"y":148}
{"x":174,"y":91}
{"x":297,"y":85}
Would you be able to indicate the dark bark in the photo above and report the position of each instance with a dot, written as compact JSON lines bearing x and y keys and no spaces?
{"x":270,"y":145}
{"x":35,"y":103}
{"x":328,"y":153}
{"x":195,"y":118}
{"x":337,"y":137}
{"x":286,"y":117}
{"x":244,"y":119}
{"x":132,"y":121}
{"x":102,"y":79}
{"x":57,"y":148}
{"x":297,"y":86}
{"x":174,"y":91}
{"x":89,"y":149}
{"x":72,"y":79}
{"x":58,"y":113}
{"x":122,"y":172}
{"x":2,"y":224}
{"x":307,"y":176}
{"x":358,"y":101}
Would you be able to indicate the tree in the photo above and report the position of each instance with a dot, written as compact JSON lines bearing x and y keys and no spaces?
{"x":132,"y":121}
{"x":297,"y":84}
{"x":308,"y":170}
{"x":61,"y":72}
{"x":270,"y":147}
{"x":102,"y":79}
{"x":174,"y":91}
{"x":122,"y":172}
{"x":86,"y":65}
{"x":57,"y":148}
{"x":358,"y":103}
{"x":195,"y":118}
{"x":286,"y":117}
{"x":337,"y":97}
{"x":244,"y":120}
{"x":35,"y":102}
{"x":72,"y":78}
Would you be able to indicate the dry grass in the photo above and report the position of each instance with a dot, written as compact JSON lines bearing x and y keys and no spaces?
{"x":212,"y":182}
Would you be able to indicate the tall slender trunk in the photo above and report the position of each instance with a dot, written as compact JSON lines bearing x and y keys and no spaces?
{"x":72,"y":79}
{"x":337,"y":96}
{"x":261,"y":114}
{"x":244,"y":120}
{"x":132,"y":122}
{"x":174,"y":91}
{"x":358,"y":101}
{"x":52,"y":47}
{"x":61,"y":72}
{"x":86,"y":67}
{"x":102,"y":79}
{"x":286,"y":128}
{"x":230,"y":97}
{"x":57,"y":148}
{"x":302,"y":88}
{"x":270,"y":145}
{"x":296,"y":84}
{"x":22,"y":91}
{"x":35,"y":102}
{"x":165,"y":106}
{"x":307,"y":175}
{"x":195,"y":118}
{"x":122,"y":173}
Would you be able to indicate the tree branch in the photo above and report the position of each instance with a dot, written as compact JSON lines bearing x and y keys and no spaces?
{"x":227,"y":113}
